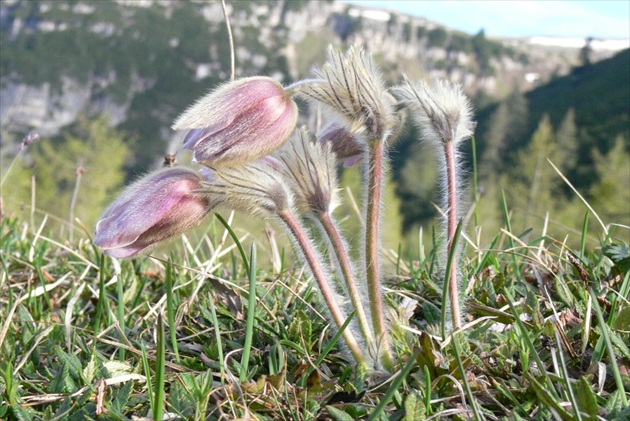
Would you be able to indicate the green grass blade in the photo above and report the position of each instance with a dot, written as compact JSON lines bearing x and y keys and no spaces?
{"x":530,"y":345}
{"x":160,"y":366}
{"x":447,"y":275}
{"x":102,"y":296}
{"x":460,"y":365}
{"x":551,"y":402}
{"x":251,"y":312}
{"x":120,"y":309}
{"x":584,"y":234}
{"x":217,"y":337}
{"x":427,"y":392}
{"x":611,"y":352}
{"x":170,"y":307}
{"x":239,"y":246}
{"x":393,"y":388}
{"x":508,"y":224}
{"x":326,"y":349}
{"x":147,"y":373}
{"x":565,"y":377}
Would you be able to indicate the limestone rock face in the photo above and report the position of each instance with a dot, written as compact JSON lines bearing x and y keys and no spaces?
{"x":284,"y":40}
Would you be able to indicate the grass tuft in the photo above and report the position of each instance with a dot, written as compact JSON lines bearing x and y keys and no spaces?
{"x":81,"y":337}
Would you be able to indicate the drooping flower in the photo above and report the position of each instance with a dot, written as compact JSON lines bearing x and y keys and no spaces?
{"x":346,"y":146}
{"x":441,"y":110}
{"x":351,"y":85}
{"x":311,"y":166}
{"x":239,"y":122}
{"x":156,"y":207}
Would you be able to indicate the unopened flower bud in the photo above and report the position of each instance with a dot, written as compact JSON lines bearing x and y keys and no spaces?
{"x":31,"y":137}
{"x":156,"y":207}
{"x":239,"y":122}
{"x":442,"y":112}
{"x":346,"y":145}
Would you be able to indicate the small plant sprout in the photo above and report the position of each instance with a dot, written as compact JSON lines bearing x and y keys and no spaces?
{"x":239,"y":122}
{"x":444,"y":116}
{"x":253,"y":159}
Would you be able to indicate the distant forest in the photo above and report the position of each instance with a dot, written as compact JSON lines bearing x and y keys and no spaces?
{"x":148,"y":61}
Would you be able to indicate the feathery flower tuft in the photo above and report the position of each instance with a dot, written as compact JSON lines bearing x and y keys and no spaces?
{"x":153,"y":209}
{"x":239,"y":122}
{"x":31,"y":137}
{"x":442,"y":111}
{"x":351,"y":85}
{"x":346,"y":145}
{"x":311,"y":166}
{"x":258,"y":187}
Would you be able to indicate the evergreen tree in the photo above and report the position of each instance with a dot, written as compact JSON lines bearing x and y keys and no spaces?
{"x":418,"y":186}
{"x":533,"y":190}
{"x":483,"y":53}
{"x":568,"y":145}
{"x":495,"y":142}
{"x":507,"y":127}
{"x":586,"y":52}
{"x":610,"y":195}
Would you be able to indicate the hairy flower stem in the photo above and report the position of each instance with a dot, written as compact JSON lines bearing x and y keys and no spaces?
{"x":346,"y":268}
{"x":451,"y":176}
{"x":372,"y":228}
{"x":320,"y":276}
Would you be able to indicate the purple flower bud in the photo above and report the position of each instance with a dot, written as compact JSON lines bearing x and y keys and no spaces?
{"x":239,"y":122}
{"x":345,"y":145}
{"x":156,"y":207}
{"x":31,"y":137}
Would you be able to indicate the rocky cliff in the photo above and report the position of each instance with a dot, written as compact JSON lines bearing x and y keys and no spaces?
{"x":142,"y":62}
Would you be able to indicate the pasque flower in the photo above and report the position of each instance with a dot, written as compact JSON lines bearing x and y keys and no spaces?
{"x":311,"y":166}
{"x":258,"y":188}
{"x":444,"y":116}
{"x":351,"y":85}
{"x":239,"y":122}
{"x":441,"y":110}
{"x":346,"y":145}
{"x":265,"y":188}
{"x":156,"y":207}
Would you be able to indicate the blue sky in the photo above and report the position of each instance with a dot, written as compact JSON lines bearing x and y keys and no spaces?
{"x":515,"y":18}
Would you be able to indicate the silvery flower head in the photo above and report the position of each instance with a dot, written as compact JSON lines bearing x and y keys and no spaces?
{"x":156,"y":207}
{"x":441,"y":110}
{"x":239,"y":122}
{"x":311,"y":166}
{"x":258,"y":187}
{"x":351,"y":85}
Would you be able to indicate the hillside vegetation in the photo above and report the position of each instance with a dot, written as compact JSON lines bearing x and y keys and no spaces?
{"x":138,"y":67}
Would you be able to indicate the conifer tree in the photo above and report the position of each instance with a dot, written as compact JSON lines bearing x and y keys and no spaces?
{"x":568,"y":146}
{"x":533,"y":190}
{"x":610,"y":195}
